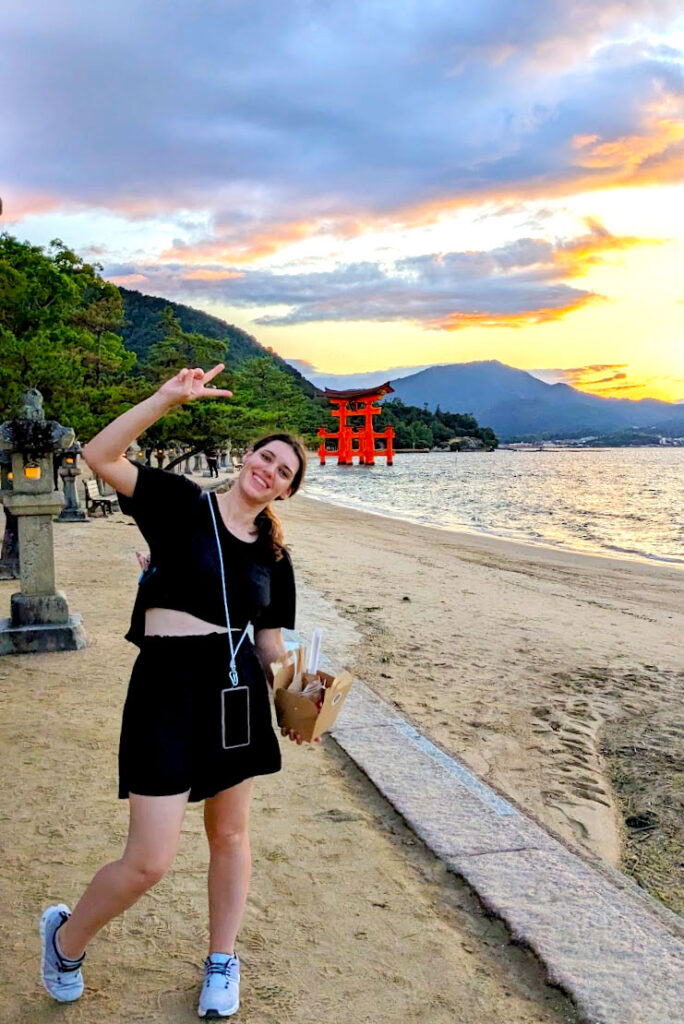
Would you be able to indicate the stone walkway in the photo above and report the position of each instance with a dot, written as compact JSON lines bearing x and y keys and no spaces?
{"x":617,"y":953}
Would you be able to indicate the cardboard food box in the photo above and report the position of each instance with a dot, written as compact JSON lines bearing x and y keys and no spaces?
{"x":298,"y":712}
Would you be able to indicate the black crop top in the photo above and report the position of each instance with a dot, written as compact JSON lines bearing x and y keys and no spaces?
{"x":173,"y":515}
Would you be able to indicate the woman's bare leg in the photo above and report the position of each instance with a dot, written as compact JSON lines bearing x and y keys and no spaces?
{"x":154,"y":830}
{"x":226,"y":820}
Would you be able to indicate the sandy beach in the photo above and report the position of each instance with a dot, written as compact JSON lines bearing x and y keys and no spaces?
{"x":556,"y":676}
{"x":350,"y":918}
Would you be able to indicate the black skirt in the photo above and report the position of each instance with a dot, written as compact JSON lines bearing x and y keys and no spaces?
{"x":187,"y":727}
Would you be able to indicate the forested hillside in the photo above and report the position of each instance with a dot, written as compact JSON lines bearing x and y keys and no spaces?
{"x":420,"y":428}
{"x":142,"y":328}
{"x":63,"y":328}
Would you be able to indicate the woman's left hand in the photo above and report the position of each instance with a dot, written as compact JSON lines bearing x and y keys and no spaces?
{"x":189,"y":384}
{"x":143,"y":560}
{"x":296,"y":737}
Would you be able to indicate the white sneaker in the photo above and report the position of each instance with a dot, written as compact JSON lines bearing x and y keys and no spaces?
{"x":62,"y":978}
{"x":220,"y":995}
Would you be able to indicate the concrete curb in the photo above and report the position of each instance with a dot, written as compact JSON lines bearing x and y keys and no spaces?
{"x":616,"y":954}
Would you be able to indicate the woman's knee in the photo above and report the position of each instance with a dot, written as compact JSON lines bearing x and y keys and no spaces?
{"x":146,"y":871}
{"x":153,"y":837}
{"x":227,"y":839}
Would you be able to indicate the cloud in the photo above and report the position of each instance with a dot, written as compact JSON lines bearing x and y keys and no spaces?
{"x":287,"y":120}
{"x":577,"y":255}
{"x":244,"y":242}
{"x":592,"y":377}
{"x":353,"y":380}
{"x":518,"y":284}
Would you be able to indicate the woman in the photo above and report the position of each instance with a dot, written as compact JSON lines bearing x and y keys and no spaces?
{"x":196,"y":722}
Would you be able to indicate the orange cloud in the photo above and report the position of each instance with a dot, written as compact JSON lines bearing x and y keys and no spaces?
{"x":571,"y":259}
{"x":126,"y":280}
{"x":17,"y":204}
{"x":212,"y":275}
{"x":640,"y":387}
{"x":577,"y":256}
{"x":250,"y":249}
{"x":524,"y":318}
{"x":629,"y":152}
{"x":612,"y":380}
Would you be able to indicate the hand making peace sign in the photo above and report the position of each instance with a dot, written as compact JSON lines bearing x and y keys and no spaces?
{"x":189,"y":384}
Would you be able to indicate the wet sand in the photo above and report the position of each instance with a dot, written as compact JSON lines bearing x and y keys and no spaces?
{"x":349,"y":919}
{"x":556,"y":676}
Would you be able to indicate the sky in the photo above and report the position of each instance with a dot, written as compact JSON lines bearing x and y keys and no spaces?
{"x":368,"y":186}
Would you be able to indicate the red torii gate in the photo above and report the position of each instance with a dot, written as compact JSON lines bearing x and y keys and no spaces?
{"x":350,"y":404}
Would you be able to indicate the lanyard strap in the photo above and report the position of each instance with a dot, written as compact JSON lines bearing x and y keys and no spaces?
{"x":233,"y":673}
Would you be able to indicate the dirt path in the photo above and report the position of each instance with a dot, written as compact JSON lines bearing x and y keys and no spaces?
{"x":350,"y":919}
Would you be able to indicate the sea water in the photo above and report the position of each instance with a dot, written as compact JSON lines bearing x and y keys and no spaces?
{"x":624,"y":502}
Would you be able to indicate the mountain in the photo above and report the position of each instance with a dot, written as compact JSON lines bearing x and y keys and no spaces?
{"x":516,"y":404}
{"x":141,"y":329}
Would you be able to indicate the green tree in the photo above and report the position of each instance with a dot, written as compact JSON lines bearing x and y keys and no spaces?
{"x":57,"y":324}
{"x":266,"y":400}
{"x":178,"y":348}
{"x":198,"y":423}
{"x":416,"y":427}
{"x":421,"y":435}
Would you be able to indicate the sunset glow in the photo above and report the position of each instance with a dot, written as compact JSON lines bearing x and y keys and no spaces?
{"x":365,"y":191}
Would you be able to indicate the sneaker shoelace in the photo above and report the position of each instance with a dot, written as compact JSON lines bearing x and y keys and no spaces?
{"x":229,"y":969}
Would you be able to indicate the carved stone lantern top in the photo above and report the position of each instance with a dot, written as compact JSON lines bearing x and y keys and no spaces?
{"x":30,"y":433}
{"x":31,"y":441}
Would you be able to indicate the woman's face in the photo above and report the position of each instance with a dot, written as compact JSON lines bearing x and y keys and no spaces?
{"x":268,"y":473}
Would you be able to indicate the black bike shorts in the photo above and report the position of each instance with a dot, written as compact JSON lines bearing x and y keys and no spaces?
{"x":186,"y":727}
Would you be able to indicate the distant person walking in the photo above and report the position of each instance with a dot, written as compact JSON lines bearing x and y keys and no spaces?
{"x":197,"y":719}
{"x":212,"y":455}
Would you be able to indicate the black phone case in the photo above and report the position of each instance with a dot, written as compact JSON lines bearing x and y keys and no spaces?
{"x":235,"y":717}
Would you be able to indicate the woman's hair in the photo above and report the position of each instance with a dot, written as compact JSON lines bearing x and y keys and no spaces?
{"x":267,"y":521}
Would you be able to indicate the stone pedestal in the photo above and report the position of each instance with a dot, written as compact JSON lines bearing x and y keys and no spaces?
{"x":69,"y":636}
{"x":39,"y":615}
{"x":39,"y":609}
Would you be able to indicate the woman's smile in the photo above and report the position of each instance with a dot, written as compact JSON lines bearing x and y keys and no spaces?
{"x":260,"y":480}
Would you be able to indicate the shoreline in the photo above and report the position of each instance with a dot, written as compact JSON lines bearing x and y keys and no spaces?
{"x":465,"y":533}
{"x":523,"y":661}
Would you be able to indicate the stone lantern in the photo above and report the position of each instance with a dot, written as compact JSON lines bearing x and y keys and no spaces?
{"x":39,"y":618}
{"x":69,"y":470}
{"x":134,"y":452}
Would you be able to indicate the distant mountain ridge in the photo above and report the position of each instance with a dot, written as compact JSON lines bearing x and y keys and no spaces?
{"x":514,"y":403}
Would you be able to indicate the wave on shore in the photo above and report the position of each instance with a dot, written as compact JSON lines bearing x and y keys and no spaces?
{"x":620,"y":502}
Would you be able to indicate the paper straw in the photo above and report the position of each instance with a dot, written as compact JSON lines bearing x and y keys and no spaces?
{"x":315,"y":651}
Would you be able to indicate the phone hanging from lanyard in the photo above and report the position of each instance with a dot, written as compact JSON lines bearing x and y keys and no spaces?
{"x":235,"y":729}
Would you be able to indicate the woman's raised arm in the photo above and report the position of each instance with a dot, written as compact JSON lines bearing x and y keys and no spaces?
{"x":105,"y":454}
